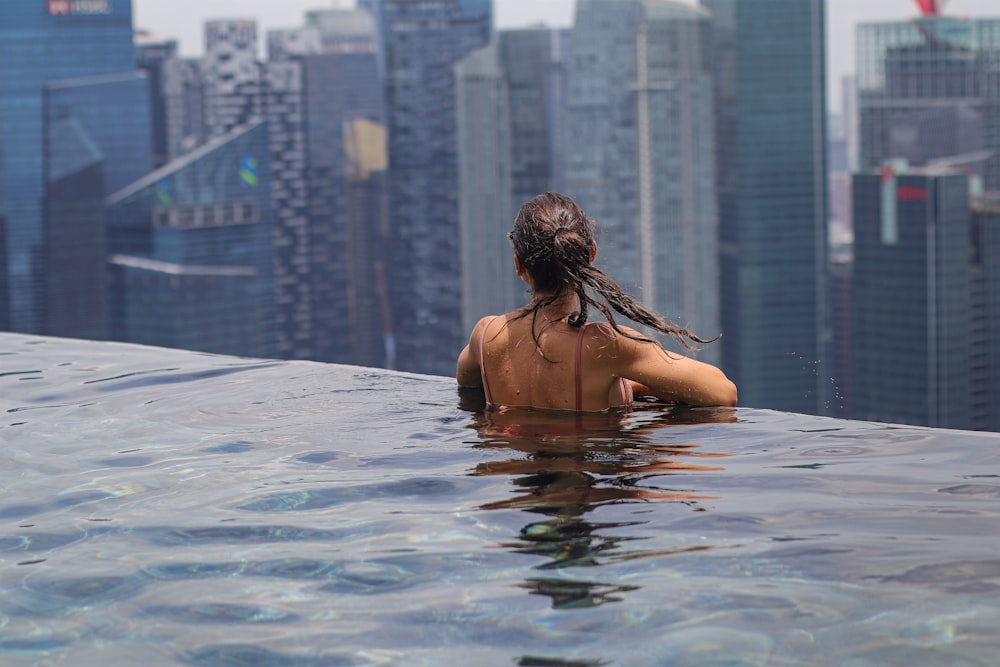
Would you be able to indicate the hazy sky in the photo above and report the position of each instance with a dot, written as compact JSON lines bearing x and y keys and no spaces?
{"x":182,"y":19}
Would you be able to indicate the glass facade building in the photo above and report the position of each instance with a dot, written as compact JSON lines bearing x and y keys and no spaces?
{"x":154,"y":57}
{"x":42,"y":43}
{"x":184,"y":108}
{"x":771,"y":133}
{"x":95,"y":140}
{"x":340,"y":89}
{"x":420,"y":42}
{"x":985,"y":328}
{"x":640,"y":103}
{"x":233,"y":91}
{"x":319,"y":81}
{"x":191,"y":251}
{"x":929,"y":90}
{"x":912,"y":299}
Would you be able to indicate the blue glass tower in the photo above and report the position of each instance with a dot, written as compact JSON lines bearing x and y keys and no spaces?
{"x":771,"y":148}
{"x":192,"y":253}
{"x":912,"y":324}
{"x":420,"y":44}
{"x":78,"y":44}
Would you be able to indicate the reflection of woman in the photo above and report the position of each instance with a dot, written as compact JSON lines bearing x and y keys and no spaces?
{"x":569,"y":454}
{"x":568,"y":464}
{"x":545,"y":355}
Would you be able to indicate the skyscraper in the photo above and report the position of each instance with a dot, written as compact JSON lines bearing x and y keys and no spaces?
{"x":184,"y":105}
{"x":771,"y":133}
{"x":365,"y":213}
{"x":191,"y":250}
{"x":985,"y":327}
{"x":640,"y":109}
{"x":912,"y":299}
{"x":233,"y":80}
{"x":42,"y":43}
{"x":320,"y":79}
{"x":928,"y":91}
{"x":420,"y":43}
{"x":95,"y":140}
{"x":153,"y":56}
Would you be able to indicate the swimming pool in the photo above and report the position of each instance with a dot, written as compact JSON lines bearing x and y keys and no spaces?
{"x":163,"y":507}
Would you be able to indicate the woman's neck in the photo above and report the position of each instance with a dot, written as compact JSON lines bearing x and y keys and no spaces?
{"x":562,"y":306}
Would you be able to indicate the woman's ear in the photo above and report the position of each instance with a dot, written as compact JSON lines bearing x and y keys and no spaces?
{"x":593,"y":250}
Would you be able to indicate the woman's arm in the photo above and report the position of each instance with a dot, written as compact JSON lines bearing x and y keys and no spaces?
{"x":672,"y":376}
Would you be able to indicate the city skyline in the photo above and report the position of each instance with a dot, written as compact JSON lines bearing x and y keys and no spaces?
{"x":183,"y":20}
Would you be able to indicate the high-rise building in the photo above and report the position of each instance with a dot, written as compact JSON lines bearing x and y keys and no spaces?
{"x":985,"y":328}
{"x":341,"y":88}
{"x":319,"y":82}
{"x":640,"y":106}
{"x":153,"y":55}
{"x":96,"y":140}
{"x":344,"y":30}
{"x":928,"y":90}
{"x":184,"y":102}
{"x":233,"y":90}
{"x":63,"y":65}
{"x":4,"y":309}
{"x":285,"y":112}
{"x":771,"y":135}
{"x":506,"y":96}
{"x":420,"y":43}
{"x":911,"y":298}
{"x":368,"y":305}
{"x":191,"y":250}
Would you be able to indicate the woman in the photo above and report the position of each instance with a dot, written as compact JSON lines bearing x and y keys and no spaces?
{"x":545,"y":355}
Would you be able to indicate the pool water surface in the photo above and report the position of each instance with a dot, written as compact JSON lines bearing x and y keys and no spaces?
{"x":163,"y":507}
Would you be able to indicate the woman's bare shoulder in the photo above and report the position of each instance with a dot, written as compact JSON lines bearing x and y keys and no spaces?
{"x":620,"y":335}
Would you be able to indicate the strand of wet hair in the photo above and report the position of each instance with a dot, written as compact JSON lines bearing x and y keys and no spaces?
{"x":573,"y":253}
{"x":626,"y":306}
{"x":614,"y":300}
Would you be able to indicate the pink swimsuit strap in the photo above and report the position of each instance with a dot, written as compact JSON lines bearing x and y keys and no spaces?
{"x":482,"y":366}
{"x":578,"y":373}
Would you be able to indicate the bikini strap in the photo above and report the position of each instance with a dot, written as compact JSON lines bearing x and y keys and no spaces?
{"x":482,"y":366}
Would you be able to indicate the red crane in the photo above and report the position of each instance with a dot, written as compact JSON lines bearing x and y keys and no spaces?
{"x":930,"y":7}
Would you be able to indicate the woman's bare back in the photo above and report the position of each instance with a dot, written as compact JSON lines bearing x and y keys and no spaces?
{"x":560,"y":370}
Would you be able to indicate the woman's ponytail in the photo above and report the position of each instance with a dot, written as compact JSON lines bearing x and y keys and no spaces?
{"x":554,"y":240}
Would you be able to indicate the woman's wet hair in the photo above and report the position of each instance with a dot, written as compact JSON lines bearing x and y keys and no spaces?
{"x":554,"y":240}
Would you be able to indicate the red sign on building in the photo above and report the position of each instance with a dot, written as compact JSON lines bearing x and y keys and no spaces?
{"x":58,"y":7}
{"x":73,"y":7}
{"x":911,"y":193}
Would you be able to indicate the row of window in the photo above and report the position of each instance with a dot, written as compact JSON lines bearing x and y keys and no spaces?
{"x":208,"y":215}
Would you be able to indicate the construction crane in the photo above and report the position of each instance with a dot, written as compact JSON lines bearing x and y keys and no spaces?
{"x":928,"y":9}
{"x":931,"y":7}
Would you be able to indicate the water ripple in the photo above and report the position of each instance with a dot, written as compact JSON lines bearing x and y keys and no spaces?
{"x":222,"y":613}
{"x":248,"y":655}
{"x":311,"y":499}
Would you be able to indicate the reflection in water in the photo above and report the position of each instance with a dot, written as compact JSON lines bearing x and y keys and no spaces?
{"x":569,"y":464}
{"x":568,"y":594}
